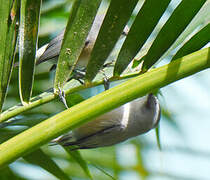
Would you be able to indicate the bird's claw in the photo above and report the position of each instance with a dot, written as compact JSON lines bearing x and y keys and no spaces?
{"x":62,"y":97}
{"x":106,"y":81}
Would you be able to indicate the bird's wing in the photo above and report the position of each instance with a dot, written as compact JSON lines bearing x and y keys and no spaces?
{"x":98,"y":139}
{"x":100,"y":123}
{"x":52,"y":50}
{"x":94,"y":133}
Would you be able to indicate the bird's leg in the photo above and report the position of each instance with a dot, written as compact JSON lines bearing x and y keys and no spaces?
{"x":62,"y":97}
{"x":106,"y":80}
{"x":78,"y":75}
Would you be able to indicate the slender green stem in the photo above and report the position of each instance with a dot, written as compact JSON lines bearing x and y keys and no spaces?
{"x":83,"y":112}
{"x":50,"y":96}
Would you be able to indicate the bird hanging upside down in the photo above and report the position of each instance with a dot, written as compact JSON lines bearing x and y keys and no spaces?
{"x":130,"y":120}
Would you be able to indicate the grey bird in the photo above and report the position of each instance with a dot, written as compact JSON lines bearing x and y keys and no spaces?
{"x":52,"y":50}
{"x":130,"y":120}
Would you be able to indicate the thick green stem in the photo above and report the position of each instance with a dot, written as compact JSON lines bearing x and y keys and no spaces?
{"x":87,"y":110}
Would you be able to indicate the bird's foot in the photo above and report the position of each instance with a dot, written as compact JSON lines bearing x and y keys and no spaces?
{"x":62,"y":97}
